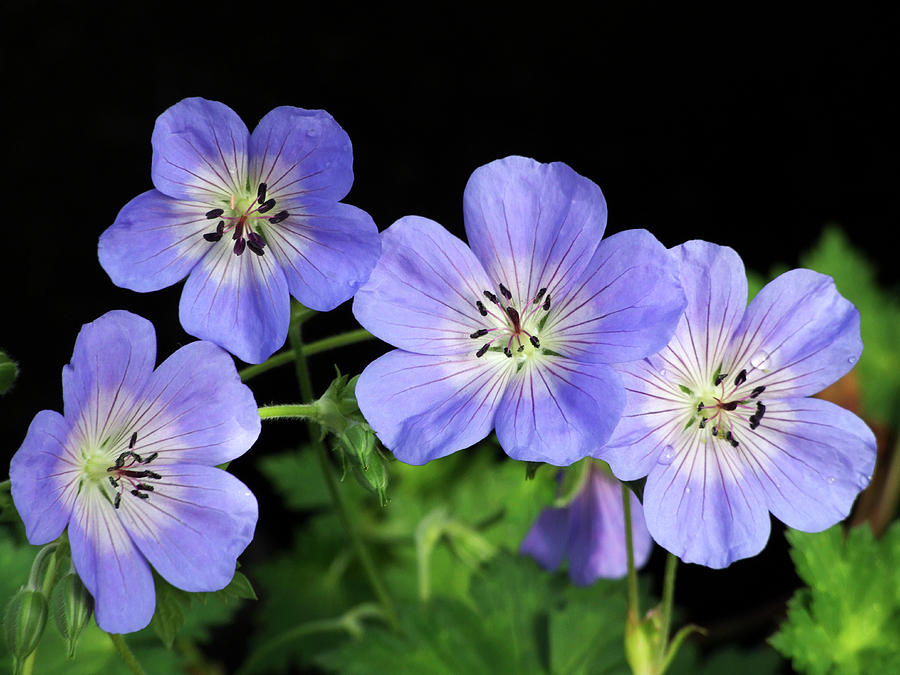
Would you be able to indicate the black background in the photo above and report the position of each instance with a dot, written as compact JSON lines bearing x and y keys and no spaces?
{"x":751,"y":129}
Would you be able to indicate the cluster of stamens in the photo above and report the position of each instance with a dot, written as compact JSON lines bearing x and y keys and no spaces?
{"x":715,"y":413}
{"x":123,"y":472}
{"x":512,"y":320}
{"x":240,"y":226}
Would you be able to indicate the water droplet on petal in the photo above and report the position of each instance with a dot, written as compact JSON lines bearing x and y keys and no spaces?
{"x":687,"y":490}
{"x":662,"y":372}
{"x":759,"y":358}
{"x":862,"y":480}
{"x":667,"y":455}
{"x":312,"y":133}
{"x":831,"y":480}
{"x":851,"y":360}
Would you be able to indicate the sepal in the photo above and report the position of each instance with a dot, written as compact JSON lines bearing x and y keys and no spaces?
{"x":24,"y":622}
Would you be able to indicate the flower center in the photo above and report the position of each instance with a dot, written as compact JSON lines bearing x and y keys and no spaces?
{"x":515,"y":331}
{"x":126,"y":474}
{"x":722,"y":405}
{"x":244,"y":220}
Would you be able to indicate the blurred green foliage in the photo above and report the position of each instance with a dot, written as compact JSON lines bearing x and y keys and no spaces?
{"x":847,"y":621}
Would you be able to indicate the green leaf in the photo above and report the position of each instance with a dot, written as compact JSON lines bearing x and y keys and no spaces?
{"x":517,"y":619}
{"x":848,"y":620}
{"x":297,"y":478}
{"x":169,"y":615}
{"x":8,"y":372}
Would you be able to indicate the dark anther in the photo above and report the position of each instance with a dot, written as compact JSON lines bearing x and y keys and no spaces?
{"x":139,"y":494}
{"x":719,"y":378}
{"x":153,"y":475}
{"x":490,"y":296}
{"x":508,"y":352}
{"x":505,"y":291}
{"x":756,"y":392}
{"x":481,"y":352}
{"x":267,"y":206}
{"x":255,"y":239}
{"x":700,"y":406}
{"x":239,"y":246}
{"x":754,"y":421}
{"x":715,"y":430}
{"x":212,"y":236}
{"x":215,"y":213}
{"x":547,"y":303}
{"x":120,"y":460}
{"x":145,"y":487}
{"x":521,"y":348}
{"x":479,"y":333}
{"x":540,"y":294}
{"x":278,"y":217}
{"x":132,"y":473}
{"x":132,"y":441}
{"x":113,"y":481}
{"x":261,"y":193}
{"x":756,"y":417}
{"x":741,"y":378}
{"x":760,"y":409}
{"x":534,"y":341}
{"x":481,"y":308}
{"x":118,"y":500}
{"x":703,"y":422}
{"x":513,"y":315}
{"x":256,"y":249}
{"x":731,"y":439}
{"x":151,"y":458}
{"x":731,"y":405}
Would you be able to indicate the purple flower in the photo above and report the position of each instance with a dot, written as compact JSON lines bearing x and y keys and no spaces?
{"x":516,"y":333}
{"x":130,"y":468}
{"x":590,"y":532}
{"x":720,"y":423}
{"x":250,"y":219}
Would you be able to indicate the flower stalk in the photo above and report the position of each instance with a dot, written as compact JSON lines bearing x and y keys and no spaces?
{"x":295,"y":337}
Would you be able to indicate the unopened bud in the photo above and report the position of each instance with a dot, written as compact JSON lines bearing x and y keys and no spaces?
{"x":72,"y":607}
{"x":374,"y":475}
{"x":24,"y":622}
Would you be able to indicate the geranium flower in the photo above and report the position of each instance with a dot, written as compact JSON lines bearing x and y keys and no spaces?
{"x":590,"y":532}
{"x":720,"y":423}
{"x":251,"y":219}
{"x":130,"y":468}
{"x":516,"y":333}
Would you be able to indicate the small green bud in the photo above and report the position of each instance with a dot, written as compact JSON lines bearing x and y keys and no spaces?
{"x":374,"y":475}
{"x":337,"y":408}
{"x":72,"y":606}
{"x":24,"y":622}
{"x":643,"y":638}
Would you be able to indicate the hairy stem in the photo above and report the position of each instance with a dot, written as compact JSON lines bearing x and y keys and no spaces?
{"x":334,"y":488}
{"x":126,"y":654}
{"x":323,"y":345}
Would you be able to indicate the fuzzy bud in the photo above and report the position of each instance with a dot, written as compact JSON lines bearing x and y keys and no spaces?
{"x":24,"y":622}
{"x":72,"y":607}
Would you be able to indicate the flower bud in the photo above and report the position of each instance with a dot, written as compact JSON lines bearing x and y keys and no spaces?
{"x":8,"y":372}
{"x":72,"y":606}
{"x":642,"y":642}
{"x":24,"y":622}
{"x":337,"y":408}
{"x":45,"y":568}
{"x":372,"y":473}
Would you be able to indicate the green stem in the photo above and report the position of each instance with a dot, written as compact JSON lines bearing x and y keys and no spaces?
{"x":667,"y":601}
{"x":633,"y":604}
{"x":292,"y":411}
{"x":125,"y":653}
{"x":323,"y":345}
{"x":331,"y":482}
{"x":27,"y":666}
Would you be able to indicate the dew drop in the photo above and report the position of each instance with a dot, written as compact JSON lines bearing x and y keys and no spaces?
{"x":851,"y":360}
{"x":667,"y":455}
{"x":312,"y":133}
{"x":831,"y":480}
{"x":687,"y":490}
{"x":759,"y":359}
{"x":862,"y":480}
